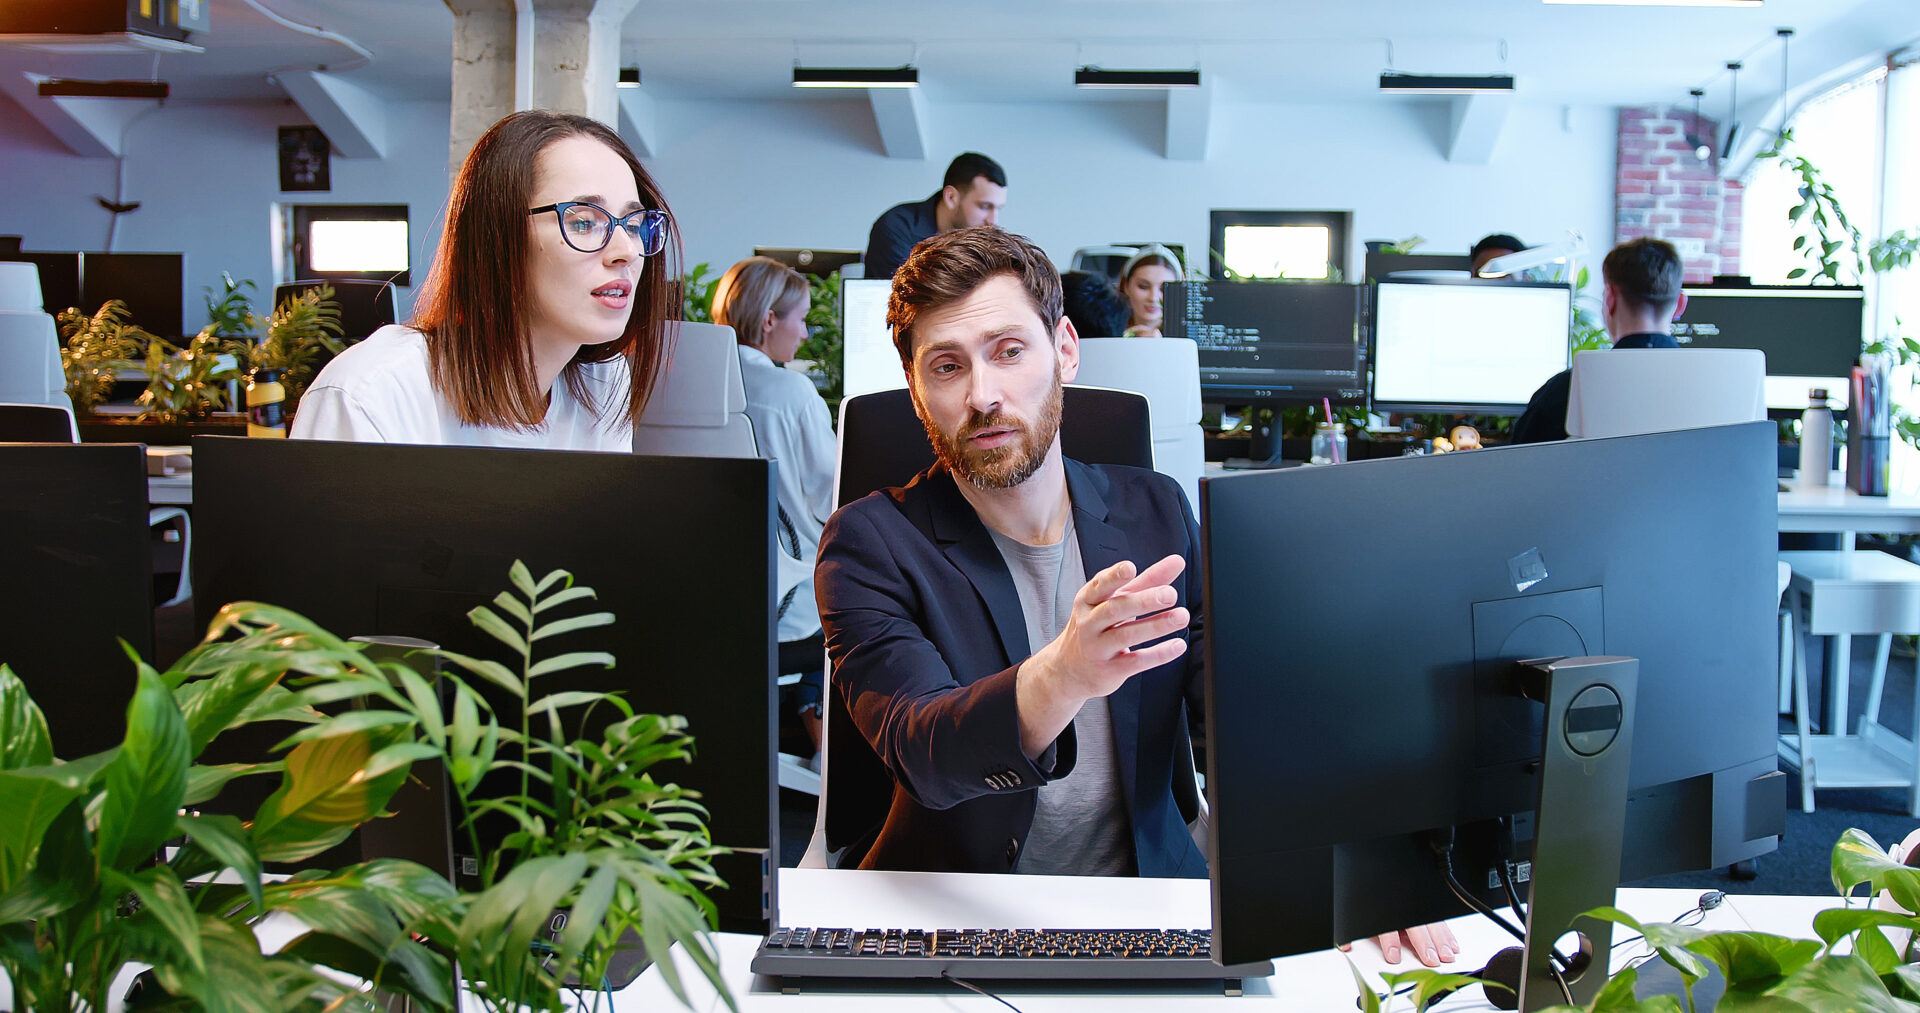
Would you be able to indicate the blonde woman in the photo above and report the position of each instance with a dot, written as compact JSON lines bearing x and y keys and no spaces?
{"x":765,"y":302}
{"x":1142,"y":281}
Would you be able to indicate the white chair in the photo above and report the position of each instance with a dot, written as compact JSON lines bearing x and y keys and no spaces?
{"x":30,"y":371}
{"x":1629,"y":391}
{"x":20,"y":288}
{"x":1167,"y":373}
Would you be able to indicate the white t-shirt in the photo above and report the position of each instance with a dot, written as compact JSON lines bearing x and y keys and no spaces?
{"x":791,"y":425}
{"x":381,"y":391}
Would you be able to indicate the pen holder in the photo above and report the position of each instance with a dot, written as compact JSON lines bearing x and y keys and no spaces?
{"x":1867,"y":458}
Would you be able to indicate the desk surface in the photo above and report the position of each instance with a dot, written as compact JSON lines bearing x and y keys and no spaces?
{"x":1314,"y":981}
{"x":1836,"y":508}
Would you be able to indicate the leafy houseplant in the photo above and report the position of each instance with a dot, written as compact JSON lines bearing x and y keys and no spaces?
{"x":185,"y":384}
{"x":696,"y":294}
{"x":231,"y":315}
{"x":95,"y":348}
{"x":1766,"y":973}
{"x":825,"y":346}
{"x":301,"y":328}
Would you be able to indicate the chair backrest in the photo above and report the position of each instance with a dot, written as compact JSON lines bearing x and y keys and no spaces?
{"x":1105,"y":260}
{"x":1628,"y":391}
{"x":883,"y":444}
{"x":1167,"y":371}
{"x":30,"y":370}
{"x":20,"y":288}
{"x":699,"y":405}
{"x":37,"y":423}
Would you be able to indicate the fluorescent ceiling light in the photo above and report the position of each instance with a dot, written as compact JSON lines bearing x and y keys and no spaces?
{"x":1096,"y":77}
{"x":107,"y":43}
{"x":629,"y":77}
{"x":63,"y":87}
{"x":1659,"y":3}
{"x":856,"y":77}
{"x":1446,"y":84}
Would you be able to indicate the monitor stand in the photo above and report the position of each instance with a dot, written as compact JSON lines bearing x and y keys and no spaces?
{"x":1585,"y":756}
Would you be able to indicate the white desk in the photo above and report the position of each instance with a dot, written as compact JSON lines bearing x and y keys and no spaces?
{"x":1318,"y":982}
{"x":170,"y":490}
{"x":1836,"y":509}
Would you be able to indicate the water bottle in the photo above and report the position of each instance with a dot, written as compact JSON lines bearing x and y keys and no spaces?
{"x":1816,"y":439}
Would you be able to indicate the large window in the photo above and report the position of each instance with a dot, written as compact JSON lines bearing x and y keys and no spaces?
{"x":366,"y":242}
{"x":1307,"y":245}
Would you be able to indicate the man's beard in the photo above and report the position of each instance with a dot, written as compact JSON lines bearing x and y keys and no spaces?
{"x":1007,"y":465}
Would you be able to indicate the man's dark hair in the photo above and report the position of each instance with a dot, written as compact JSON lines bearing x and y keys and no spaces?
{"x":1094,"y":305}
{"x":961,"y":171}
{"x":1497,"y":241}
{"x":1646,"y":272}
{"x":944,"y":269}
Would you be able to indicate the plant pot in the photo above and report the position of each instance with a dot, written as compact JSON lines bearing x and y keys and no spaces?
{"x":99,"y":429}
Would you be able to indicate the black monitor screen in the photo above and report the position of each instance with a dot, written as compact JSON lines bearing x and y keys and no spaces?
{"x":1272,"y":343}
{"x":1341,"y":739}
{"x":1811,"y":336}
{"x":403,"y":540}
{"x":817,"y":262}
{"x":1380,"y":265}
{"x":149,"y":283}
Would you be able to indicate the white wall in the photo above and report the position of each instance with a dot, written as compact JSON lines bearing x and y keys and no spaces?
{"x":809,"y":173}
{"x":207,"y":177}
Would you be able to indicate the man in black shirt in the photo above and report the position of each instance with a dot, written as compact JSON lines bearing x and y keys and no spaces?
{"x":1641,"y":300}
{"x":974,"y":191}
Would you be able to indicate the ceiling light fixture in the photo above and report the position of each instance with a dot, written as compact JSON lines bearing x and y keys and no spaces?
{"x":629,"y":77}
{"x":1701,"y":149}
{"x":1660,"y":3}
{"x":1733,"y":105}
{"x":65,"y":87}
{"x":856,"y":77}
{"x":1099,"y":77}
{"x":1446,"y":84}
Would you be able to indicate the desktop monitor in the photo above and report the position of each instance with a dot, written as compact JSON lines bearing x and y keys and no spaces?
{"x":365,"y":306}
{"x":78,"y":558}
{"x":1466,"y":345}
{"x":392,"y":540}
{"x":1381,"y":264}
{"x":824,"y":263}
{"x":149,"y":283}
{"x":1812,"y":336}
{"x":1272,"y":342}
{"x":1345,"y":742}
{"x":870,"y":360}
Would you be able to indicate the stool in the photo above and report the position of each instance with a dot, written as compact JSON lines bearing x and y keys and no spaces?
{"x":1839,"y":594}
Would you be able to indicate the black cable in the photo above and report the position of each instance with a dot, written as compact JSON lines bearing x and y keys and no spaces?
{"x":971,"y":987}
{"x":1520,"y":912}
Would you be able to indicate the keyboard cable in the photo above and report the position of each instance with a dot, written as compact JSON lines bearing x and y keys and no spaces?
{"x":970,"y":986}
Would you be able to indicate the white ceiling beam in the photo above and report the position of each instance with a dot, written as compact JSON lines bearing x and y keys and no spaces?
{"x":1189,"y":121}
{"x":89,"y":127}
{"x":1477,"y":123}
{"x":639,"y":122}
{"x":901,"y":115}
{"x":353,"y":118}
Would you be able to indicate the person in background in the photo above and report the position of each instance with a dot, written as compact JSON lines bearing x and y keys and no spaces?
{"x":1639,"y":303}
{"x":765,"y":302}
{"x":1497,"y":245}
{"x":973,"y":192}
{"x":1094,"y":306}
{"x":1142,"y":280}
{"x":539,"y":324}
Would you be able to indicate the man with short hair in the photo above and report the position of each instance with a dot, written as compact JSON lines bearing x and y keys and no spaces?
{"x":1497,"y":245}
{"x":1641,"y":300}
{"x":974,"y":191}
{"x":1011,"y":631}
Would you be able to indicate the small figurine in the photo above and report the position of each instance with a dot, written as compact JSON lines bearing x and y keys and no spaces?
{"x":1465,"y":438}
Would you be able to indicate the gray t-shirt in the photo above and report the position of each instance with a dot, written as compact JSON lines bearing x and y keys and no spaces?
{"x":1080,"y":825}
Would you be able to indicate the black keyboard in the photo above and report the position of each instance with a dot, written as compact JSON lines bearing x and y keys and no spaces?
{"x":999,"y":954}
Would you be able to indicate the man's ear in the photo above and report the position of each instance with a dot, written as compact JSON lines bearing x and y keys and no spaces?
{"x":1066,"y":347}
{"x":950,"y":196}
{"x":1680,"y":307}
{"x":1609,"y":298}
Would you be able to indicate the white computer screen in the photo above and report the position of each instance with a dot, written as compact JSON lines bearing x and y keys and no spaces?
{"x":1475,"y":345}
{"x":871,"y":361}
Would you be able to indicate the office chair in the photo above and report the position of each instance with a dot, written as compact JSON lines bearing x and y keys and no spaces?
{"x":1629,"y":391}
{"x":20,"y":287}
{"x":1167,"y":373}
{"x":883,"y":444}
{"x":30,"y":371}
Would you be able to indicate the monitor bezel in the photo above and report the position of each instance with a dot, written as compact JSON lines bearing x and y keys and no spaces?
{"x":1451,"y":407}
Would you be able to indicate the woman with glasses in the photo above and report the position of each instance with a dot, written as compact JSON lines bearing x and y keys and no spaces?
{"x":540,"y":323}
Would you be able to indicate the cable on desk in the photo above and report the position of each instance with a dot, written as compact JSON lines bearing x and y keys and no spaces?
{"x":971,"y":987}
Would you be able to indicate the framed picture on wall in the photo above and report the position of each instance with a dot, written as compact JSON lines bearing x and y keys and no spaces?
{"x":305,"y":159}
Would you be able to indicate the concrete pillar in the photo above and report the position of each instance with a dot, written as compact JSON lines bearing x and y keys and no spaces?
{"x":562,"y":55}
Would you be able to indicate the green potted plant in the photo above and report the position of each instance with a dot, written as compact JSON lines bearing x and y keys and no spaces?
{"x":302,"y":327}
{"x":825,"y":344}
{"x":187,"y":384}
{"x":95,"y":348}
{"x":231,"y":314}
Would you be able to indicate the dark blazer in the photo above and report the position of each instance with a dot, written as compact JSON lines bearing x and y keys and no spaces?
{"x":926,"y":634}
{"x":1545,"y":419}
{"x":894,"y":234}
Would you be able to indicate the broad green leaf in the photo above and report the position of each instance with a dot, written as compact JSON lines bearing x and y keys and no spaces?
{"x":1750,"y":957}
{"x":1834,"y":924}
{"x":165,"y":900}
{"x":23,"y":729}
{"x":399,"y":756}
{"x":572,"y":624}
{"x":521,"y":578}
{"x":407,"y":968}
{"x":341,"y":725}
{"x":31,"y":798}
{"x":1857,"y":860}
{"x":561,"y":701}
{"x":562,"y":662}
{"x":1796,"y":274}
{"x":1799,"y":242}
{"x":507,"y":603}
{"x":492,"y":671}
{"x":205,"y":782}
{"x":426,"y":704}
{"x":552,"y":578}
{"x":1369,"y":1000}
{"x":589,"y":909}
{"x":492,"y":625}
{"x":1840,"y":983}
{"x":147,"y":781}
{"x":562,"y":597}
{"x":225,"y":842}
{"x":324,"y":795}
{"x":63,"y":871}
{"x":1872,"y":946}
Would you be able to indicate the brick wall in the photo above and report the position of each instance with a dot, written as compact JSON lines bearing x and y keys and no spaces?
{"x":1661,"y":189}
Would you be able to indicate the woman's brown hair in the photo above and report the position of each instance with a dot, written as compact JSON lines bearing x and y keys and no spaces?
{"x":473,"y":305}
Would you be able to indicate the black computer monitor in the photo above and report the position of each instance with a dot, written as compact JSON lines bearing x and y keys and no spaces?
{"x":59,"y":280}
{"x":819,"y":262}
{"x":149,"y":283}
{"x":365,"y":306}
{"x":1344,"y":741}
{"x":1811,"y":336}
{"x":1382,"y":264}
{"x":1272,"y":343}
{"x":1466,"y":345}
{"x":378,"y":539}
{"x":78,"y":558}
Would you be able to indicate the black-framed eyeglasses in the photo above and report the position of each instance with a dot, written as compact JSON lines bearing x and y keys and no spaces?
{"x":589,"y":227}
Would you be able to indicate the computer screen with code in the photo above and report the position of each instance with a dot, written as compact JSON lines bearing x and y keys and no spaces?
{"x":1272,"y":343}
